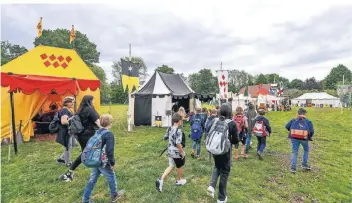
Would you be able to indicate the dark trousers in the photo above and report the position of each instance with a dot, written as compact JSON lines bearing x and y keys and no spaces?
{"x":82,"y":140}
{"x":224,"y":174}
{"x":261,"y":144}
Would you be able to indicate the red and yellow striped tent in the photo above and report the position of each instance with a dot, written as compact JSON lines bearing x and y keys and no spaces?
{"x":39,"y":77}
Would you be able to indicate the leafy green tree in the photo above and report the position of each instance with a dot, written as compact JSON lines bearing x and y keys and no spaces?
{"x":104,"y":86}
{"x":272,"y":78}
{"x":261,"y":79}
{"x":312,"y":84}
{"x":10,"y":52}
{"x":117,"y":95}
{"x":297,"y":84}
{"x":165,"y":69}
{"x":336,"y":75}
{"x":203,"y":82}
{"x":86,"y":49}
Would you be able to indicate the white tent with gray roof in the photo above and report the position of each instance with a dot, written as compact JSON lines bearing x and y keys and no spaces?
{"x":319,"y":99}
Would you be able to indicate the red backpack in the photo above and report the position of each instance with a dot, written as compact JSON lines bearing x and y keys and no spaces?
{"x":238,"y":119}
{"x":259,"y":129}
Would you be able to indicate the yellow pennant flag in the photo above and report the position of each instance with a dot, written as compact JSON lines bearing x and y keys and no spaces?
{"x":72,"y":34}
{"x":40,"y":28}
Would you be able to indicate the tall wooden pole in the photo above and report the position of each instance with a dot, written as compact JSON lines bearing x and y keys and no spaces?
{"x":129,"y":129}
{"x":13,"y":122}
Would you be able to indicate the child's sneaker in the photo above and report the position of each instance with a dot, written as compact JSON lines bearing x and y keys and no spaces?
{"x":245,"y":156}
{"x":223,"y":201}
{"x":307,"y":168}
{"x":159,"y":185}
{"x":181,"y":182}
{"x":293,"y":170}
{"x":117,"y":196}
{"x":260,"y":156}
{"x":69,"y":164}
{"x":60,"y":161}
{"x":211,"y":191}
{"x":68,"y":176}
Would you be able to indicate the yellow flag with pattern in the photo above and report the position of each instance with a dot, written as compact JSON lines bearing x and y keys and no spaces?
{"x":72,"y":34}
{"x":40,"y":28}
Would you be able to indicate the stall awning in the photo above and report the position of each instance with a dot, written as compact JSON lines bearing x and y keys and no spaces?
{"x":27,"y":84}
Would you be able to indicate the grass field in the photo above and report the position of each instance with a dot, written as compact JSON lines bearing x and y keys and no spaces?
{"x":32,"y":176}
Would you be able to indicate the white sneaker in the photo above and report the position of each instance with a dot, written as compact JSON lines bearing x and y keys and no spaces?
{"x":159,"y":185}
{"x":181,"y":182}
{"x":211,"y":191}
{"x":223,"y":201}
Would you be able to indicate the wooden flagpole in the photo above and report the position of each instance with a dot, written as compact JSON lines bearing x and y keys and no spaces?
{"x":129,"y":129}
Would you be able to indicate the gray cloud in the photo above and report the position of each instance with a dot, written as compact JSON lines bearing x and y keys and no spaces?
{"x":161,"y":37}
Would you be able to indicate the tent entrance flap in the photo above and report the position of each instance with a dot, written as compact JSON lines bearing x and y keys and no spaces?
{"x":143,"y":110}
{"x":182,"y":103}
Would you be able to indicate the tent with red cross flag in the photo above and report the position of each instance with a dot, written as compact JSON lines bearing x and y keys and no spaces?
{"x":37,"y":79}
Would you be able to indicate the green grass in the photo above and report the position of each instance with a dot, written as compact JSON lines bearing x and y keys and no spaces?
{"x":32,"y":176}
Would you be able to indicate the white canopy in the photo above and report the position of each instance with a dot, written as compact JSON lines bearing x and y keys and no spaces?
{"x":315,"y":96}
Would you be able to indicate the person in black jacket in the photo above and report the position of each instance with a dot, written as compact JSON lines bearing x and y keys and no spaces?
{"x":262,"y":140}
{"x":223,"y":162}
{"x":91,"y":123}
{"x":107,"y":169}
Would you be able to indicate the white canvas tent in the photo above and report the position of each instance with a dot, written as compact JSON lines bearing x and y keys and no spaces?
{"x":158,"y":95}
{"x":318,"y":99}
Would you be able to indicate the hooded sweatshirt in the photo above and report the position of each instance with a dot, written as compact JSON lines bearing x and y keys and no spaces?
{"x":265,"y":121}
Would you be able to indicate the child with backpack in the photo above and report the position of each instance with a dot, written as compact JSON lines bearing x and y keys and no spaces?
{"x":175,"y":151}
{"x":101,"y":159}
{"x":196,"y":132}
{"x":261,"y":130}
{"x":208,"y":124}
{"x":222,"y":135}
{"x":242,"y":125}
{"x":300,"y":132}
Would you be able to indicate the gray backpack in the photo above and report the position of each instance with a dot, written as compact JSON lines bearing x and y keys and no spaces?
{"x":75,"y":125}
{"x":217,"y":141}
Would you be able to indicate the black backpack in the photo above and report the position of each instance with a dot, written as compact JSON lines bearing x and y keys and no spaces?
{"x":54,"y":124}
{"x":75,"y":125}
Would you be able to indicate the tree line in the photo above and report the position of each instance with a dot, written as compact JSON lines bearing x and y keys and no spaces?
{"x":203,"y":81}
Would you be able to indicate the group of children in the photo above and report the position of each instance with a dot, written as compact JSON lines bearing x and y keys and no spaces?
{"x":241,"y":126}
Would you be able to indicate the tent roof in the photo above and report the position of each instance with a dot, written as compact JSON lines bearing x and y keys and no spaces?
{"x":50,"y":61}
{"x":319,"y":95}
{"x":255,"y":90}
{"x":164,"y":84}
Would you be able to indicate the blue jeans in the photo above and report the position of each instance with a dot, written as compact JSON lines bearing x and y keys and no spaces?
{"x":261,"y":144}
{"x":248,"y":141}
{"x":109,"y":174}
{"x":295,"y":148}
{"x":196,"y":145}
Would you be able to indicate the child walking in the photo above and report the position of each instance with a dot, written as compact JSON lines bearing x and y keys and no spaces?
{"x":175,"y":153}
{"x":223,"y":162}
{"x":261,"y":129}
{"x":107,"y":169}
{"x":197,"y":126}
{"x":301,"y":132}
{"x":242,"y":126}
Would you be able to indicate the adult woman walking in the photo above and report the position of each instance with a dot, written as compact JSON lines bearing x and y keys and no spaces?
{"x":62,"y":136}
{"x":90,"y":121}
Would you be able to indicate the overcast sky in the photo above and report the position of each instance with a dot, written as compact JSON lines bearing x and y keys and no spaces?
{"x":295,"y":39}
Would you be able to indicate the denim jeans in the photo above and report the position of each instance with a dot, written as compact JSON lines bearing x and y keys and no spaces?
{"x":248,"y":141}
{"x":224,"y":174}
{"x":109,"y":174}
{"x":261,"y":144}
{"x":196,"y":146}
{"x":295,"y":147}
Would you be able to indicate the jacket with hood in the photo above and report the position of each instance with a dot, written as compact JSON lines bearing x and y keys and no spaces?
{"x":251,"y":114}
{"x":265,"y":121}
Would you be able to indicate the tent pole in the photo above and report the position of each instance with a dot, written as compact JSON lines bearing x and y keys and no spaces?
{"x":13,"y":122}
{"x":129,"y":100}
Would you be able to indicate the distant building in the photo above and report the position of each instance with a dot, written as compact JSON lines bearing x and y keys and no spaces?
{"x":256,"y":90}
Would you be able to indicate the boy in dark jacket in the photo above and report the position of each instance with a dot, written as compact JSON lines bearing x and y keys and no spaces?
{"x":262,"y":140}
{"x":296,"y":141}
{"x":107,"y":169}
{"x":223,"y":162}
{"x":197,"y":124}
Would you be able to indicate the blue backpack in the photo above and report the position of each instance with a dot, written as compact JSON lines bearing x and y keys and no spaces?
{"x":93,"y":154}
{"x":299,"y":129}
{"x":196,"y":128}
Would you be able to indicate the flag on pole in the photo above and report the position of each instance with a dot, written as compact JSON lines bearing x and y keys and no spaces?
{"x":246,"y":91}
{"x":223,"y":83}
{"x":72,"y":34}
{"x":130,"y":75}
{"x":40,"y":27}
